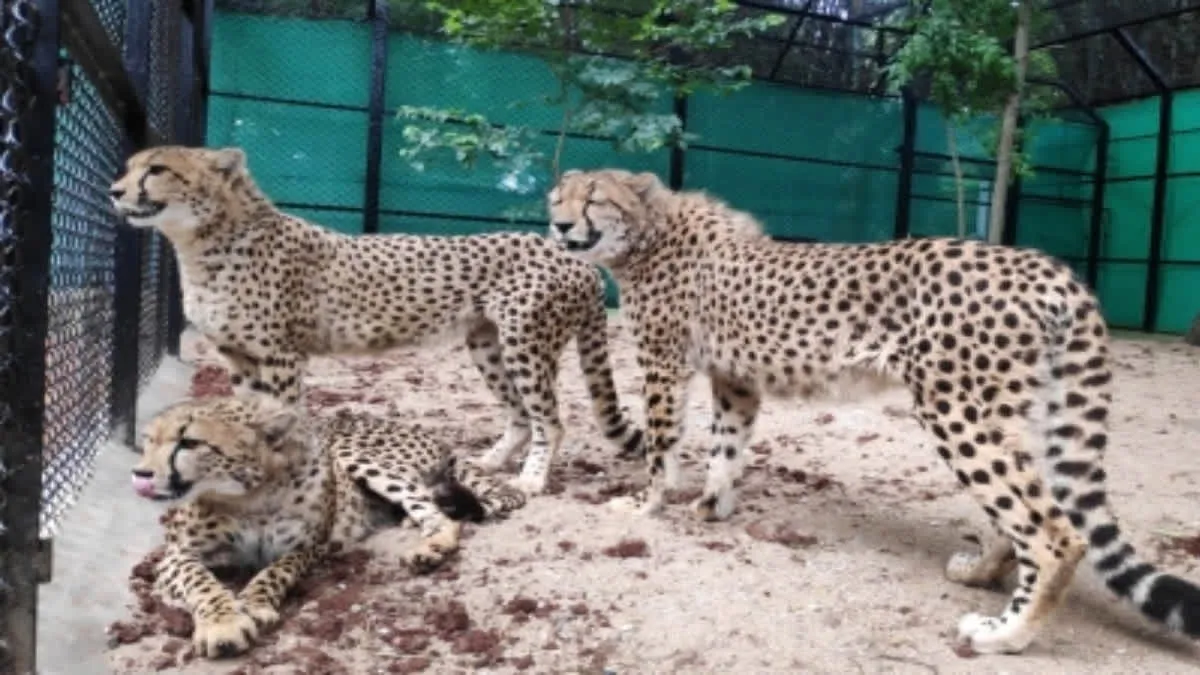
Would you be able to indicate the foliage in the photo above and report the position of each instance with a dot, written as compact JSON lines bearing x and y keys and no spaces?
{"x":617,"y":69}
{"x":959,"y":54}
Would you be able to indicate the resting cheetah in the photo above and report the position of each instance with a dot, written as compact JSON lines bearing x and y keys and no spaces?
{"x":1004,"y":352}
{"x":262,"y":486}
{"x":270,"y":290}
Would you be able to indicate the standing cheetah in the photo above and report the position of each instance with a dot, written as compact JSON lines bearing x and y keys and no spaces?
{"x":261,"y":485}
{"x":1004,"y":351}
{"x":270,"y":290}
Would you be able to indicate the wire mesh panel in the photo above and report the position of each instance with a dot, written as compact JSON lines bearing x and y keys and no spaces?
{"x":112,"y":17}
{"x":164,"y":26}
{"x":79,"y":345}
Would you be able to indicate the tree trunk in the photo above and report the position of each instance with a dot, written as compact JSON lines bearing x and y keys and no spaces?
{"x":1008,"y":128}
{"x":960,"y":198}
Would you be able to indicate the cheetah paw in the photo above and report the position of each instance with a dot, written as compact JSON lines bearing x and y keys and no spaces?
{"x":712,"y":507}
{"x":435,"y":549}
{"x":635,"y":505}
{"x":225,"y":637}
{"x":990,"y":635}
{"x":960,"y":568}
{"x":528,"y":485}
{"x":264,"y":614}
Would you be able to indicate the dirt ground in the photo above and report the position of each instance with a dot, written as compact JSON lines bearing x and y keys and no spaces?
{"x":831,"y":564}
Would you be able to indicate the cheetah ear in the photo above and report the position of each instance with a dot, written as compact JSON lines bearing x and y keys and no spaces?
{"x":229,"y":161}
{"x":644,"y":183}
{"x":275,"y":420}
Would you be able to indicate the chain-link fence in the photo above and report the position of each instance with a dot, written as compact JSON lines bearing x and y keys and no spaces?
{"x":85,"y":302}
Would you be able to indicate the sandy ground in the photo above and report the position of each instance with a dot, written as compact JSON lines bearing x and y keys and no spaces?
{"x":832,"y":563}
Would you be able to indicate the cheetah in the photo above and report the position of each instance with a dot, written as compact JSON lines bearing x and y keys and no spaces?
{"x":270,"y":290}
{"x":257,"y":484}
{"x":1004,"y":351}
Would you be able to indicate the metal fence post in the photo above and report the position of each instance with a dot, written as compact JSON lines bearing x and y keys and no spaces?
{"x":908,"y":152}
{"x":1158,"y":210}
{"x":29,"y":52}
{"x":678,"y":154}
{"x":129,"y":244}
{"x":377,"y":14}
{"x":1096,"y":226}
{"x":176,"y":131}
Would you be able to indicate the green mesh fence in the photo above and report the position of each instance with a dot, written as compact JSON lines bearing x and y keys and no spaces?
{"x":811,"y":164}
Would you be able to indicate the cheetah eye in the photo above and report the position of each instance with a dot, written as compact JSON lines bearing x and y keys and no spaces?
{"x":155,"y":169}
{"x":188,"y":443}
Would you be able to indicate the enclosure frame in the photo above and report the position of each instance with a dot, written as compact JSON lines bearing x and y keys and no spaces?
{"x":119,"y":73}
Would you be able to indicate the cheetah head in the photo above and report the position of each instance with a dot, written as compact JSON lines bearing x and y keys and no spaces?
{"x":216,"y":448}
{"x":601,"y":216}
{"x":168,"y":187}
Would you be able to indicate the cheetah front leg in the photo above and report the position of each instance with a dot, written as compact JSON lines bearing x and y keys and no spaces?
{"x":221,"y":630}
{"x":405,"y":486}
{"x":665,"y":392}
{"x":262,"y":596}
{"x":735,"y":407}
{"x":243,"y":369}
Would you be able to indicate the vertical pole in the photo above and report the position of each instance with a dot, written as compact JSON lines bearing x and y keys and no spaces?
{"x":176,"y":132}
{"x":678,"y":166}
{"x":1158,"y":211}
{"x":202,"y":25}
{"x":377,"y":13}
{"x":908,"y":153}
{"x":1096,"y":227}
{"x":129,"y":247}
{"x":22,"y":407}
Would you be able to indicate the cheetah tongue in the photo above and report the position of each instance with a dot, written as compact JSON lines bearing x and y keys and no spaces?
{"x":143,"y":486}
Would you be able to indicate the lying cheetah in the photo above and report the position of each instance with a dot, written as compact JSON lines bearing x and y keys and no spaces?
{"x":263,"y":486}
{"x":1004,"y":351}
{"x":270,"y":290}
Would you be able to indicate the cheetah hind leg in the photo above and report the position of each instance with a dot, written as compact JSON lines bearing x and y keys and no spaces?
{"x":407,"y":488}
{"x":483,"y":343}
{"x":996,"y":559}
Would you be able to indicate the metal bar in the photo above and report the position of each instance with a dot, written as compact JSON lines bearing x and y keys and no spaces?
{"x":788,"y":158}
{"x":1096,"y":225}
{"x":128,"y":247}
{"x":177,"y":54}
{"x":791,"y":39}
{"x":1083,"y":35}
{"x":128,"y":279}
{"x":84,"y":36}
{"x":287,"y":101}
{"x":1143,"y":60}
{"x":908,"y":147}
{"x":792,"y":11}
{"x":202,"y":23}
{"x":377,"y":12}
{"x":1158,"y":211}
{"x":24,"y":395}
{"x":677,"y":169}
{"x":991,"y":162}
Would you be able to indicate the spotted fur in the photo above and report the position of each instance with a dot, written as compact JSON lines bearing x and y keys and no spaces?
{"x":270,"y":290}
{"x":259,"y":485}
{"x":1004,"y":351}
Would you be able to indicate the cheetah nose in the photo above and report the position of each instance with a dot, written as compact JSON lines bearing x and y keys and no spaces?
{"x":564,"y":227}
{"x":116,"y":193}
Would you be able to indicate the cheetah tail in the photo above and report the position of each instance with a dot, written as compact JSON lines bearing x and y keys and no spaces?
{"x":592,"y":342}
{"x":1078,"y":435}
